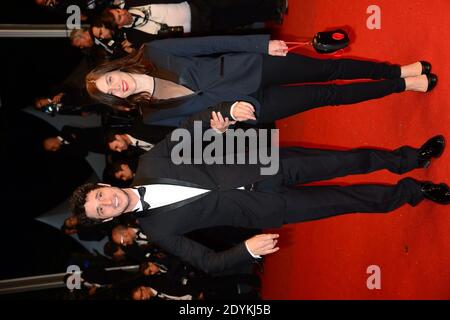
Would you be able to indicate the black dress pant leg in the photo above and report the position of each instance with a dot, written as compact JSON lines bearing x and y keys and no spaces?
{"x":278,"y":102}
{"x":319,"y":202}
{"x":304,"y":165}
{"x":221,"y":16}
{"x":295,"y":68}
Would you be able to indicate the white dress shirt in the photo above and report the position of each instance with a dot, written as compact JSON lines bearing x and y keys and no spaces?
{"x":144,"y":145}
{"x":168,"y":297}
{"x":159,"y":195}
{"x":176,"y":14}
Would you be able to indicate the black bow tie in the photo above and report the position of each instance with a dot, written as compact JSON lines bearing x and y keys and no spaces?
{"x":145,"y":205}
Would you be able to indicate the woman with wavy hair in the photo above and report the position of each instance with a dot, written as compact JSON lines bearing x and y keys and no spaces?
{"x":243,"y":78}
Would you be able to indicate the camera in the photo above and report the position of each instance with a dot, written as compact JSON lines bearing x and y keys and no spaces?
{"x":51,"y":109}
{"x":166,"y":30}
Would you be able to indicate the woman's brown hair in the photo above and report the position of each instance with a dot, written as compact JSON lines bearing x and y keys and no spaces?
{"x":132,"y":63}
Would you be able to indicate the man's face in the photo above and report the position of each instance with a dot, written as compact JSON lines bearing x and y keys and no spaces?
{"x":106,"y":202}
{"x":125,"y":173}
{"x":85,"y":41}
{"x":142,"y":293}
{"x":151,"y":269}
{"x":122,"y":17}
{"x":101,"y":32}
{"x":123,"y":236}
{"x":119,"y":144}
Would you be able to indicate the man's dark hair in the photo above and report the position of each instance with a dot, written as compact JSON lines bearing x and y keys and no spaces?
{"x":143,"y":266}
{"x":105,"y":19}
{"x":78,"y":200}
{"x":111,"y":136}
{"x":110,"y":248}
{"x":112,"y":168}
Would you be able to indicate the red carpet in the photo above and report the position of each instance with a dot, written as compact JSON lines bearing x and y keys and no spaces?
{"x":328,"y":259}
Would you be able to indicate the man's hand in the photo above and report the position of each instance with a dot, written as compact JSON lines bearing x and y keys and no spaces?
{"x":278,"y":48}
{"x":218,"y":123}
{"x":58,"y":97}
{"x":41,"y":102}
{"x":127,"y":46}
{"x":243,"y":111}
{"x":52,"y":144}
{"x":262,"y":244}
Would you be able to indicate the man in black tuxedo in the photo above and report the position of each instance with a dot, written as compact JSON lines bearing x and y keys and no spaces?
{"x":176,"y":199}
{"x":140,"y":136}
{"x":77,"y":141}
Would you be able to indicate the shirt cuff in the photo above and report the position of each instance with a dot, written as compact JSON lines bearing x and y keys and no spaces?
{"x":218,"y":131}
{"x":253,"y":255}
{"x":232,"y":109}
{"x":64,"y":141}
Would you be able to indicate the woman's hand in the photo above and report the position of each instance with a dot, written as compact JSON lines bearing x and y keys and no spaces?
{"x":127,"y":46}
{"x":278,"y":48}
{"x":218,"y":123}
{"x":243,"y":111}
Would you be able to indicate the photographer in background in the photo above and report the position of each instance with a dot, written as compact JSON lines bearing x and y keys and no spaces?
{"x":77,"y":141}
{"x":67,"y":103}
{"x":147,"y":20}
{"x":120,"y":172}
{"x":97,"y":50}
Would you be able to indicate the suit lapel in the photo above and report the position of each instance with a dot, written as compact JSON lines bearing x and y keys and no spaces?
{"x":172,"y":206}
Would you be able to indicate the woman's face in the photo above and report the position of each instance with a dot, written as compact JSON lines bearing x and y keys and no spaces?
{"x":116,"y":83}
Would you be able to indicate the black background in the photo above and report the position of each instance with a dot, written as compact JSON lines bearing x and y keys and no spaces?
{"x":33,"y":180}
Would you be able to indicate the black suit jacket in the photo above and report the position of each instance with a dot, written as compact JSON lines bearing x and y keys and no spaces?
{"x":150,"y":133}
{"x":233,"y":76}
{"x":223,"y":205}
{"x":165,"y":285}
{"x":82,"y":140}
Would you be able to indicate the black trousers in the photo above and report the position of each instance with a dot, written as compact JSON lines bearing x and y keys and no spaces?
{"x":220,"y":16}
{"x":279,"y":101}
{"x":305,"y":203}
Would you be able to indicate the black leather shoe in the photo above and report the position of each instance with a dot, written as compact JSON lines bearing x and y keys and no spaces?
{"x":432,"y":81}
{"x":283,"y":6}
{"x":438,"y":193}
{"x":281,"y":10}
{"x":426,"y":67}
{"x":433,"y":148}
